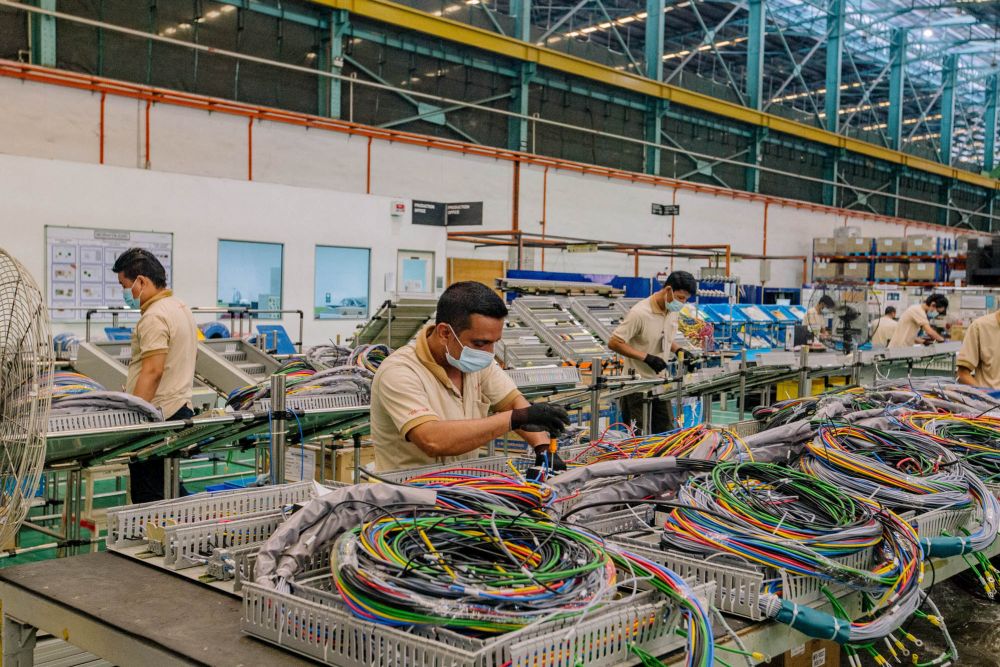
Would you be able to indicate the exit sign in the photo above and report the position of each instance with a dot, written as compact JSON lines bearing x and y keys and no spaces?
{"x":666,"y":209}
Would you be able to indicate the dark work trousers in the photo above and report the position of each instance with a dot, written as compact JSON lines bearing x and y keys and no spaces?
{"x":147,"y":476}
{"x":661,"y":416}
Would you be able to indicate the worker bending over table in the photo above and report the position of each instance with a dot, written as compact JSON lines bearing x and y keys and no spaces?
{"x":979,"y":358}
{"x":917,"y":317}
{"x":815,"y":320}
{"x":884,"y":327}
{"x":645,"y":340}
{"x":432,"y":399}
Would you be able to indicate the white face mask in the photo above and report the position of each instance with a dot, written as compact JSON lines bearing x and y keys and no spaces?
{"x":469,"y":360}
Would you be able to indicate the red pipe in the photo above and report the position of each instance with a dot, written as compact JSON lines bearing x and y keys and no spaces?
{"x":368,"y":169}
{"x":149,"y":103}
{"x":101,"y":135}
{"x":250,"y":149}
{"x":545,"y":205}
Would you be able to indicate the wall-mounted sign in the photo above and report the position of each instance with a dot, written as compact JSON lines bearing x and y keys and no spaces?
{"x":454,"y":214}
{"x":581,"y":247}
{"x":666,"y":209}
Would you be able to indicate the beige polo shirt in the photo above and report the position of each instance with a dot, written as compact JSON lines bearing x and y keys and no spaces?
{"x":649,"y":329}
{"x":911,"y":322}
{"x":814,"y":321}
{"x":882,"y":331}
{"x":411,"y":389}
{"x":166,"y":326}
{"x":980,"y":351}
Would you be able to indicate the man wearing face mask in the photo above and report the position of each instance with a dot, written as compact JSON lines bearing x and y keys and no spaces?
{"x":645,"y":340}
{"x":164,"y":347}
{"x":432,"y":400}
{"x":917,"y":317}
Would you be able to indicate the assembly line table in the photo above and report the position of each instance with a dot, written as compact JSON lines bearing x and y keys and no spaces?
{"x":126,"y":613}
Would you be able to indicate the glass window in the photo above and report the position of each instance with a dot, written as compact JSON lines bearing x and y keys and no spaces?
{"x":250,"y":275}
{"x":341,"y":291}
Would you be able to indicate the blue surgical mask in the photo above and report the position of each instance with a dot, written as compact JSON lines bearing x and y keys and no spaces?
{"x":674,"y":306}
{"x":931,"y":314}
{"x":470,"y":360}
{"x":130,"y":300}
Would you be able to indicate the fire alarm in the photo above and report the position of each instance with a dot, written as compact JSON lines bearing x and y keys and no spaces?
{"x":398,"y":208}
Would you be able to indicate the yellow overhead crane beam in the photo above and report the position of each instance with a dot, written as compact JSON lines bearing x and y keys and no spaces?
{"x":402,"y":16}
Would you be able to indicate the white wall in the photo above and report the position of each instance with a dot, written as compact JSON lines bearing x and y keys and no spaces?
{"x":199,"y":211}
{"x":42,"y":120}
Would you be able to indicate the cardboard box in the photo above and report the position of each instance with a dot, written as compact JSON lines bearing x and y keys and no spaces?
{"x":926,"y":245}
{"x":854,"y":245}
{"x":826,"y":271}
{"x":338,"y":464}
{"x":890,"y":271}
{"x":814,"y":653}
{"x":922,"y":272}
{"x":889,"y":245}
{"x":855,"y":271}
{"x":824,"y":246}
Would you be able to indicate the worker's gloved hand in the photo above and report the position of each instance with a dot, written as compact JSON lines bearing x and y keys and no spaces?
{"x":692,"y":354}
{"x":552,"y":419}
{"x":657,"y":364}
{"x":555,"y":461}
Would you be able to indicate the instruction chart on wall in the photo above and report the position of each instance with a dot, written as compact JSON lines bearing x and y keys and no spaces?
{"x":79,"y":261}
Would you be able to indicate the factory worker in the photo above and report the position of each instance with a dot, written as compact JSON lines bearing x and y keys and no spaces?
{"x":441,"y":398}
{"x":815,"y":320}
{"x":917,"y":317}
{"x":645,"y":340}
{"x":164,"y":347}
{"x":884,"y":327}
{"x":979,"y":358}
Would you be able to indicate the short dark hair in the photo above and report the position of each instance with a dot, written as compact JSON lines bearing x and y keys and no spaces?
{"x":136,"y":262}
{"x":682,"y":280}
{"x":463,"y":300}
{"x":826,"y":301}
{"x":890,"y":310}
{"x":939,"y":301}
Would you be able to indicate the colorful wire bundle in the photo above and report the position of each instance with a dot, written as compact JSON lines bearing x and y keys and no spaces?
{"x":519,"y":494}
{"x":65,"y":383}
{"x":693,"y":442}
{"x":301,"y":379}
{"x":488,"y":574}
{"x":369,"y":357}
{"x":975,"y":439}
{"x":785,"y":519}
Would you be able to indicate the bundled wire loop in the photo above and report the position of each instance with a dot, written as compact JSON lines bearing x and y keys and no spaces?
{"x":301,"y":379}
{"x":698,"y":442}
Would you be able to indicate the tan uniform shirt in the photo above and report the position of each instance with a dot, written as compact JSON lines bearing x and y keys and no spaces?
{"x":166,"y":326}
{"x":882,"y":331}
{"x":649,"y":329}
{"x":910,"y":323}
{"x":410,"y":389}
{"x":980,"y":351}
{"x":814,"y":321}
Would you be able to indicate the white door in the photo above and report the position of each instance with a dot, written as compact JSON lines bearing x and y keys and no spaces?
{"x":415,"y":272}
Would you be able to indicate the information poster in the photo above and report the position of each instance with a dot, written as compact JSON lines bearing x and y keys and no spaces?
{"x":79,"y":262}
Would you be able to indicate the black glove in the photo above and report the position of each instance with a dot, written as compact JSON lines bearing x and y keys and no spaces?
{"x":552,"y":419}
{"x":555,"y":461}
{"x":658,"y":365}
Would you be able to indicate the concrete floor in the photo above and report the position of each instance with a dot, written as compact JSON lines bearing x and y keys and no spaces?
{"x":974,"y":624}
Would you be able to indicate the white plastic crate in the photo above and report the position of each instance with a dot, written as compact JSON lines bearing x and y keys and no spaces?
{"x":310,"y":621}
{"x":126,"y":524}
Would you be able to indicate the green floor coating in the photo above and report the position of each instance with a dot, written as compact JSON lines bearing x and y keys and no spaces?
{"x":29,"y":537}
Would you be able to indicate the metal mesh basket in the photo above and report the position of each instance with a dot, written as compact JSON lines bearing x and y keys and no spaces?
{"x":88,"y":421}
{"x":544,"y":376}
{"x":322,"y":402}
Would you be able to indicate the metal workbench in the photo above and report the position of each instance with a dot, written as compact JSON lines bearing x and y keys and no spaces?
{"x":126,"y":613}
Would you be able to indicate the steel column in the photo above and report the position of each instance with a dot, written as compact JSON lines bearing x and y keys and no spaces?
{"x":834,"y":60}
{"x":517,"y":126}
{"x":655,"y":108}
{"x":949,"y":74}
{"x":755,"y":86}
{"x":331,"y":59}
{"x":897,"y":72}
{"x":43,"y":35}
{"x":990,"y":122}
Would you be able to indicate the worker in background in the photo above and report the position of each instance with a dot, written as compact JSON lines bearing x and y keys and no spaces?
{"x":917,"y":317}
{"x":979,"y":358}
{"x":164,"y":347}
{"x":884,"y":327}
{"x":431,"y":400}
{"x":645,"y":340}
{"x":815,"y":320}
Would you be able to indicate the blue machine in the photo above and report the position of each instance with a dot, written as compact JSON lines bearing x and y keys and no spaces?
{"x":118,"y":334}
{"x":276,"y":339}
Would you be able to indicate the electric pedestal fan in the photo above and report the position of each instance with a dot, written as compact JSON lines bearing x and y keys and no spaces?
{"x":25,"y":370}
{"x":855,"y":305}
